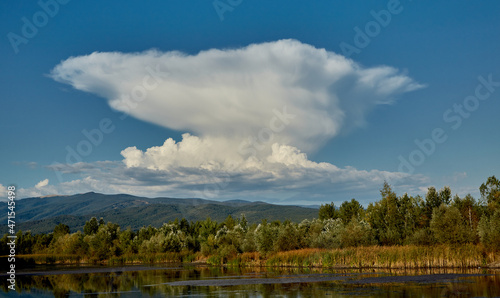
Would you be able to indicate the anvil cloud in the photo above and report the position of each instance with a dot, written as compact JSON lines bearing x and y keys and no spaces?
{"x":277,"y":100}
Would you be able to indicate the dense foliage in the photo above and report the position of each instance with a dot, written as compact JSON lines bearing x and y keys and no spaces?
{"x":393,"y":220}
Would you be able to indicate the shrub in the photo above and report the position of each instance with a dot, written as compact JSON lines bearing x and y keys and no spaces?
{"x":356,"y":233}
{"x":448,"y":226}
{"x":489,"y":230}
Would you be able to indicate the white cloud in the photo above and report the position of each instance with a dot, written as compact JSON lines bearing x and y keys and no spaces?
{"x":288,"y":178}
{"x":232,"y":93}
{"x":282,"y":166}
{"x":42,"y":188}
{"x":182,"y":169}
{"x":3,"y":191}
{"x":252,"y":115}
{"x":42,"y":184}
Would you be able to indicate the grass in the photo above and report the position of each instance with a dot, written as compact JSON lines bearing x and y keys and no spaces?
{"x":51,"y":259}
{"x":408,"y":256}
{"x":397,"y":257}
{"x":167,"y":257}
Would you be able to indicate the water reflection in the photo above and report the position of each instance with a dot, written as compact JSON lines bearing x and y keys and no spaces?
{"x":62,"y":281}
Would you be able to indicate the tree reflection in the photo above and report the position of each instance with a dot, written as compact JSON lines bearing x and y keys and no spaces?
{"x":118,"y":281}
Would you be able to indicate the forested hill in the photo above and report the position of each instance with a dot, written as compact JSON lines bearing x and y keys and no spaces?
{"x":41,"y":214}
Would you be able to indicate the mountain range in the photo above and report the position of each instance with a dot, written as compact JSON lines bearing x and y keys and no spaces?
{"x":42,"y":214}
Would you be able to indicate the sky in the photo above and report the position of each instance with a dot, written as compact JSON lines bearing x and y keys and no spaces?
{"x":287,"y":102}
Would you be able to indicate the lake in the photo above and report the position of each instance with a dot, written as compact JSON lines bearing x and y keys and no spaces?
{"x":190,"y":280}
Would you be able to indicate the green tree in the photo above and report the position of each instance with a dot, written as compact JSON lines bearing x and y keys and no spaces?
{"x":410,"y":211}
{"x":248,"y":242}
{"x":385,"y":218}
{"x":156,"y":244}
{"x":422,"y":236}
{"x":329,"y":237}
{"x":208,"y":246}
{"x":311,"y":231}
{"x":489,"y":230}
{"x":104,"y":243}
{"x":265,"y":235}
{"x":42,"y":242}
{"x":184,"y":226}
{"x":351,"y":209}
{"x":145,"y":233}
{"x":4,"y":247}
{"x":91,"y":226}
{"x":207,"y":227}
{"x":432,"y":201}
{"x":69,"y":244}
{"x":61,"y":230}
{"x":229,"y":222}
{"x":231,"y":237}
{"x":126,"y":238}
{"x":288,"y":237}
{"x":24,"y":242}
{"x":356,"y":233}
{"x":244,"y":223}
{"x":490,"y":193}
{"x":470,"y":210}
{"x":448,"y":226}
{"x":445,"y":195}
{"x":327,"y":211}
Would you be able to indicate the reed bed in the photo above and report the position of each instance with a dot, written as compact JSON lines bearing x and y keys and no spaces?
{"x":396,"y":257}
{"x":408,"y":256}
{"x":50,"y":259}
{"x":167,"y":257}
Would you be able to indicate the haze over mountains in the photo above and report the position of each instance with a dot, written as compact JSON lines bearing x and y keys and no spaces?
{"x":42,"y":214}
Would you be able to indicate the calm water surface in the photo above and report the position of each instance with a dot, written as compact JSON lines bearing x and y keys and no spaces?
{"x":201,"y":281}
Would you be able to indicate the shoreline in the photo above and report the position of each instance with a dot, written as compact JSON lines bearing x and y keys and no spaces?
{"x":44,"y":269}
{"x":354,"y":278}
{"x":370,"y":257}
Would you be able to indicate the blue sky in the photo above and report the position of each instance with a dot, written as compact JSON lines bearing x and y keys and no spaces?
{"x":355,"y":113}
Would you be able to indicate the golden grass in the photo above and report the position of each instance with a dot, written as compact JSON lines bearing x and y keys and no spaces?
{"x":408,"y":256}
{"x":167,"y":257}
{"x":397,"y":257}
{"x":51,"y":258}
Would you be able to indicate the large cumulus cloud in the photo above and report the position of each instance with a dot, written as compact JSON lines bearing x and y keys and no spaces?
{"x":253,"y":113}
{"x":233,"y":92}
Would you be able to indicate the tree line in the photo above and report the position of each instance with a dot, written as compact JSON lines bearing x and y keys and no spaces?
{"x":437,"y":218}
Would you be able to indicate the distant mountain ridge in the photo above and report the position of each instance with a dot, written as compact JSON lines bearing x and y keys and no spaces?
{"x":41,"y":214}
